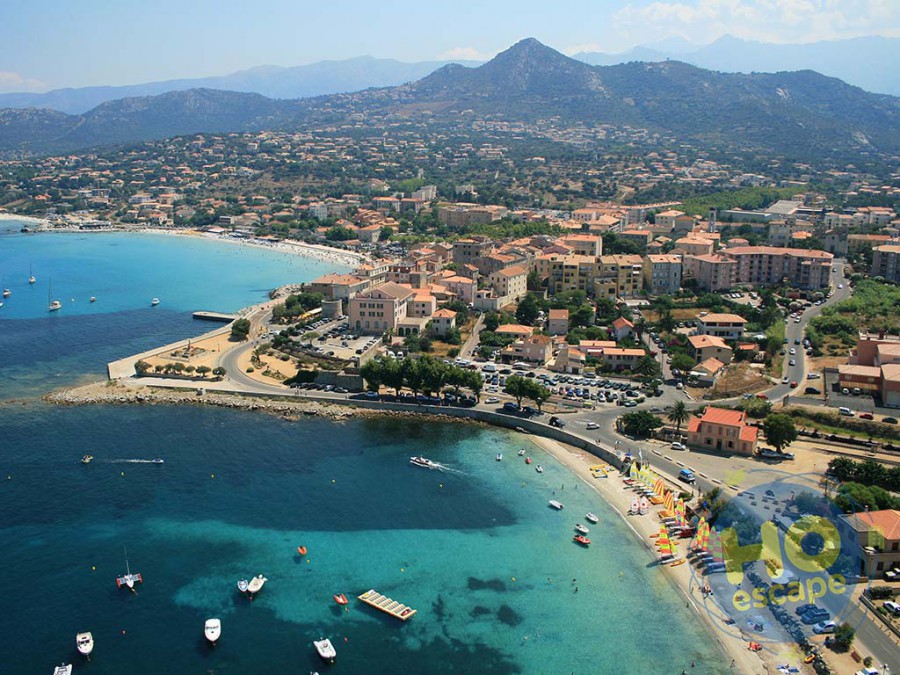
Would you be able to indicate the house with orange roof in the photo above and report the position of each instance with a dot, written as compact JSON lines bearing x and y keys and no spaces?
{"x":621,"y":359}
{"x":533,"y":349}
{"x":705,"y":347}
{"x":558,"y":322}
{"x":569,"y":360}
{"x":622,"y":328}
{"x":443,"y":321}
{"x":877,"y":533}
{"x":723,"y":430}
{"x":514,"y":330}
{"x":707,"y":372}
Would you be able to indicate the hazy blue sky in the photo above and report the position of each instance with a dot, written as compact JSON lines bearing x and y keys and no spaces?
{"x":58,"y":43}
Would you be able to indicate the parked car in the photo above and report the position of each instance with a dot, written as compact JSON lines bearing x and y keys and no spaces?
{"x":866,"y":416}
{"x":687,"y":476}
{"x":889,"y":420}
{"x":492,"y":399}
{"x":824,"y":627}
{"x":678,"y":446}
{"x":556,"y":422}
{"x":892,"y":607}
{"x":509,"y":406}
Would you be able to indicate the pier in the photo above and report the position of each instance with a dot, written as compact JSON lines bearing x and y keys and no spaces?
{"x":396,"y":609}
{"x":215,"y":316}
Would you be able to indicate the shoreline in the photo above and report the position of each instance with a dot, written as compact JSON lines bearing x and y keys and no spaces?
{"x":302,"y":249}
{"x":611,"y":490}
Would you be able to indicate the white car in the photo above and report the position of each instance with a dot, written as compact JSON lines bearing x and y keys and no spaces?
{"x":840,"y":285}
{"x":824,"y":627}
{"x":492,"y":399}
{"x":592,"y":425}
{"x":785,"y":379}
{"x":678,"y":446}
{"x":792,"y":351}
{"x":792,"y":362}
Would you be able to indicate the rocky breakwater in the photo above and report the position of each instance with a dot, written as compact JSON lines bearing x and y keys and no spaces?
{"x":112,"y":393}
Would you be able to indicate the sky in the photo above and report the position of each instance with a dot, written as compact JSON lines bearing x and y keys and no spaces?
{"x":49,"y":44}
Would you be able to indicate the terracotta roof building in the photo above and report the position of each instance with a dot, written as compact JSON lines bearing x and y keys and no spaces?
{"x":724,"y":430}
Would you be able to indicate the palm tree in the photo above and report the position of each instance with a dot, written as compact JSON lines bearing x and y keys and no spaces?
{"x":678,"y":414}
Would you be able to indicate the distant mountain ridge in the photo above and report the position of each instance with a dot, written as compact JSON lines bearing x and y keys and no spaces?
{"x":864,"y":62}
{"x":803,"y":114}
{"x":315,"y":79}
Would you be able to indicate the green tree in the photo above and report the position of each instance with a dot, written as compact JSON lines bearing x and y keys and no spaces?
{"x":648,"y":367}
{"x":491,"y":321}
{"x":843,"y":638}
{"x":780,"y":431}
{"x":527,"y":311}
{"x":534,"y":281}
{"x":640,"y":423}
{"x":203,"y":371}
{"x":219,"y":372}
{"x":240,"y":330}
{"x":682,"y":362}
{"x":756,"y":407}
{"x":517,"y":387}
{"x":372,"y":374}
{"x":678,"y":414}
{"x":309,"y":336}
{"x":413,"y":376}
{"x":141,"y":367}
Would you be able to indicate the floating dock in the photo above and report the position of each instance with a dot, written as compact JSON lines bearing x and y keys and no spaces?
{"x":396,"y":609}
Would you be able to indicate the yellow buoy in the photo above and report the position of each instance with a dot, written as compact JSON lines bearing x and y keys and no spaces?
{"x":513,"y":578}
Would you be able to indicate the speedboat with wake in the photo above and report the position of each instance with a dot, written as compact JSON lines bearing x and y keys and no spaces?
{"x":87,"y":459}
{"x":424,"y":462}
{"x":212,"y":629}
{"x":522,"y":452}
{"x":85,"y":643}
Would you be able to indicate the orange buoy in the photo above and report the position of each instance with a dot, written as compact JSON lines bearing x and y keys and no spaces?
{"x":301,"y":550}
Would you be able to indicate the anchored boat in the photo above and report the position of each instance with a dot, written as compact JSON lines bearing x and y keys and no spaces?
{"x":256,"y":584}
{"x":129,"y":579}
{"x":64,"y":669}
{"x":212,"y":629}
{"x":591,"y":518}
{"x":325,"y":648}
{"x":85,"y":643}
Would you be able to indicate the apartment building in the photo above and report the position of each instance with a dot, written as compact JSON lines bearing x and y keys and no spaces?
{"x":584,"y":244}
{"x":725,"y":326}
{"x":724,"y":430}
{"x":886,"y":262}
{"x":766,"y":265}
{"x":692,"y":245}
{"x":662,"y":274}
{"x":379,"y":309}
{"x":640,"y":238}
{"x":665,"y":221}
{"x":618,"y":358}
{"x":715,"y":272}
{"x":535,"y":349}
{"x":619,"y":276}
{"x":467,"y":251}
{"x":877,"y":534}
{"x":570,"y":273}
{"x":510,"y":283}
{"x":337,"y":286}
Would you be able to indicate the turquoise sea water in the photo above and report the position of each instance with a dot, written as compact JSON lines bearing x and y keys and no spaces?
{"x":475,"y":549}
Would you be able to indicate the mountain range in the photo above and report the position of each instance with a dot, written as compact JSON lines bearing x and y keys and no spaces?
{"x":863,"y":61}
{"x":315,"y":79}
{"x":803,"y":114}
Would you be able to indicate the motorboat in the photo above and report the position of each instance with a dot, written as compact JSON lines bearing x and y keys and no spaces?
{"x":93,"y":299}
{"x":212,"y":629}
{"x":85,"y":643}
{"x":129,"y":579}
{"x":499,"y":457}
{"x":581,"y":528}
{"x":340,"y":599}
{"x":256,"y":584}
{"x":64,"y":669}
{"x":522,"y":452}
{"x":243,"y":585}
{"x":539,"y":468}
{"x":581,"y":539}
{"x":6,"y":292}
{"x":87,"y":459}
{"x":528,"y":460}
{"x":301,"y":550}
{"x":424,"y":463}
{"x":325,"y":648}
{"x":556,"y":505}
{"x":31,"y":277}
{"x":591,"y":518}
{"x":154,"y":302}
{"x":157,"y":460}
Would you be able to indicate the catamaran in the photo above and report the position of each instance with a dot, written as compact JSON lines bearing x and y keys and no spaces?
{"x":128,"y":579}
{"x":85,"y":643}
{"x":52,"y":305}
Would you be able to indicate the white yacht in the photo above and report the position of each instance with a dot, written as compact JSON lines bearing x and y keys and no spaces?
{"x":212,"y":629}
{"x":256,"y":584}
{"x":31,"y":277}
{"x":424,"y":463}
{"x":85,"y":643}
{"x":129,"y":579}
{"x":581,"y":528}
{"x":591,"y":518}
{"x":539,"y":468}
{"x":556,"y":505}
{"x":52,"y":305}
{"x":154,"y":302}
{"x":243,"y":585}
{"x":325,"y":648}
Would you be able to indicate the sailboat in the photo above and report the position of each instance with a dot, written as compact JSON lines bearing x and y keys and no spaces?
{"x":128,"y":579}
{"x":52,"y":305}
{"x":31,"y":277}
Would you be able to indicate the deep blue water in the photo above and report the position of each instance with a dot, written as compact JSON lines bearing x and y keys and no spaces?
{"x":475,"y":548}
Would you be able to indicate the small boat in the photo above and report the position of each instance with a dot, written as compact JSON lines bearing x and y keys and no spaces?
{"x":499,"y":457}
{"x":64,"y":669}
{"x":539,"y":468}
{"x":424,"y":463}
{"x":93,"y":299}
{"x":243,"y":585}
{"x":256,"y":584}
{"x":154,"y":302}
{"x":129,"y":579}
{"x":325,"y":648}
{"x":528,"y":460}
{"x":301,"y":550}
{"x":52,"y":305}
{"x":522,"y":453}
{"x":212,"y":629}
{"x":6,"y":292}
{"x":31,"y":277}
{"x":591,"y":518}
{"x":581,"y":539}
{"x":85,"y":643}
{"x":340,"y":599}
{"x":556,"y":505}
{"x":581,"y":528}
{"x":157,"y":460}
{"x":87,"y":459}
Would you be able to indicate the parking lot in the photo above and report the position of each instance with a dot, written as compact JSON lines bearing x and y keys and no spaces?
{"x":334,"y":339}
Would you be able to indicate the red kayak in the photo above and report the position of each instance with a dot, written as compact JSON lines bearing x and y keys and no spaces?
{"x":340,"y":599}
{"x":528,"y":460}
{"x":301,"y":550}
{"x":581,"y":539}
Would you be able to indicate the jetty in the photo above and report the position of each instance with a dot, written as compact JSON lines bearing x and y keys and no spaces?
{"x":221,"y":317}
{"x":396,"y":609}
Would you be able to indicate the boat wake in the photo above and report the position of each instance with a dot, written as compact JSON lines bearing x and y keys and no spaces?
{"x":135,"y":461}
{"x":449,"y":469}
